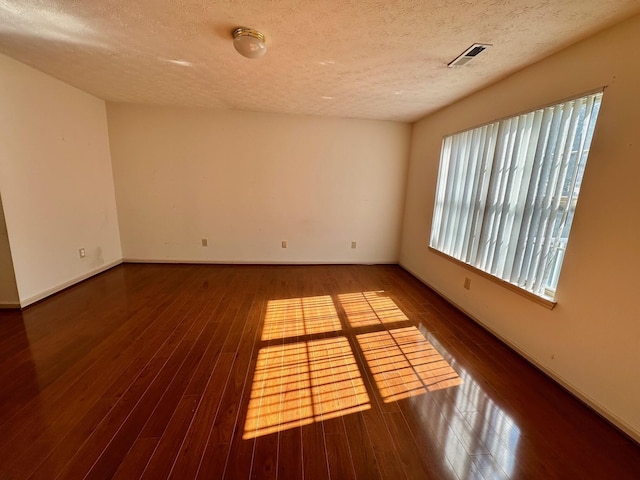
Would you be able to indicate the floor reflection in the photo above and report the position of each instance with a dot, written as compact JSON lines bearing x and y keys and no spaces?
{"x":478,"y":438}
{"x":16,"y":349}
{"x":23,"y":407}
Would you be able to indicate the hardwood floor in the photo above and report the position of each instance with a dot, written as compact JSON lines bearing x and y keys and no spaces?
{"x":341,"y":372}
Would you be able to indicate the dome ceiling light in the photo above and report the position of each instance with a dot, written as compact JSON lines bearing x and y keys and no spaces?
{"x":249,"y":42}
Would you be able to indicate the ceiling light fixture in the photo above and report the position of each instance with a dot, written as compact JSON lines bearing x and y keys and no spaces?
{"x":249,"y":42}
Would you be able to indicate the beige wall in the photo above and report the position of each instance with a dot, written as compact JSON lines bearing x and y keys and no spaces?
{"x":246,"y":181}
{"x":55,"y":180}
{"x":8,"y":289}
{"x":590,"y":341}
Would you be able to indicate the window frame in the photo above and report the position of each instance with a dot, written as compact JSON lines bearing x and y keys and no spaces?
{"x":548,"y":297}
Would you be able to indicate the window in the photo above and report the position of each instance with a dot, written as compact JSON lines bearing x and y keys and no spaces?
{"x":507,"y":192}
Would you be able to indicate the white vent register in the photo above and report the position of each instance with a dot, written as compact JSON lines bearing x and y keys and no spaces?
{"x":469,"y":54}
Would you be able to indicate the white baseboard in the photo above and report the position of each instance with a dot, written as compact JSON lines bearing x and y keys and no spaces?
{"x":567,"y":385}
{"x":254,"y":262}
{"x":50,"y":291}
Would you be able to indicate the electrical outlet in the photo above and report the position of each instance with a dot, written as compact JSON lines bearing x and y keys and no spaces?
{"x":353,"y":244}
{"x":82,"y":253}
{"x":467,"y":283}
{"x":284,"y":244}
{"x":205,"y":242}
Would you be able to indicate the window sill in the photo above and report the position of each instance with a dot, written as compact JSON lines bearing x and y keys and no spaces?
{"x":545,"y":302}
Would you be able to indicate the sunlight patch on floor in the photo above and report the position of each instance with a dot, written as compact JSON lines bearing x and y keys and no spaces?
{"x":404,"y":363}
{"x":295,"y":317}
{"x":297,"y":384}
{"x":305,"y":379}
{"x":370,"y":308}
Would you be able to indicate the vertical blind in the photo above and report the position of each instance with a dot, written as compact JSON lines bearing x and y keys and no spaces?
{"x":507,"y":191}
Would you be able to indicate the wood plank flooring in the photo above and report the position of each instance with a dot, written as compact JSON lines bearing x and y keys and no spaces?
{"x":287,"y":372}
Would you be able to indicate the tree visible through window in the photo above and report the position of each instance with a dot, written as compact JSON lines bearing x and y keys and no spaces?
{"x":507,"y":192}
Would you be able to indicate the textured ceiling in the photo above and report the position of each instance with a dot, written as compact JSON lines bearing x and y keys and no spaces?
{"x":344,"y":58}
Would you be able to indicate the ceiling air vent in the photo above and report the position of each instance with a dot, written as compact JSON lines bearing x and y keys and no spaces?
{"x":469,"y":54}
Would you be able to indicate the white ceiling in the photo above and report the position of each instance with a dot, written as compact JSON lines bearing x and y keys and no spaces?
{"x":343,"y":58}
